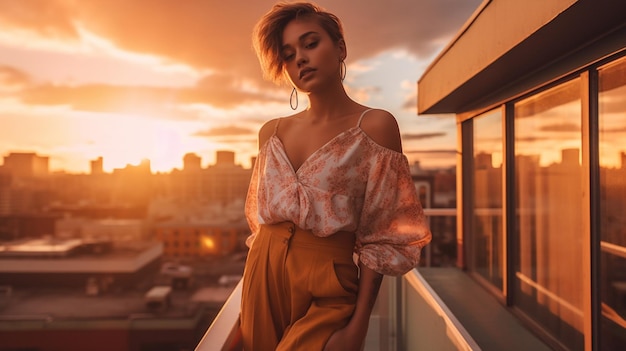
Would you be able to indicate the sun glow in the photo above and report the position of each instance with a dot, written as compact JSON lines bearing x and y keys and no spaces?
{"x":128,"y":139}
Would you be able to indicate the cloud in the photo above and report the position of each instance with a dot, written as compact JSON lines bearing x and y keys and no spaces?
{"x":231,"y":130}
{"x":532,"y":139}
{"x":194,"y":59}
{"x":219,"y":92}
{"x":13,"y":79}
{"x":410,"y":103}
{"x":433,"y":151}
{"x":225,"y":91}
{"x":216,"y":35}
{"x":13,"y":76}
{"x":417,"y":26}
{"x":422,"y":136}
{"x":96,"y":97}
{"x":561,"y":127}
{"x":486,"y":139}
{"x":617,"y":130}
{"x":52,"y":19}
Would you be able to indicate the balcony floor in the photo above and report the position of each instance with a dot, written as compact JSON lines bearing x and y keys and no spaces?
{"x":491,"y":325}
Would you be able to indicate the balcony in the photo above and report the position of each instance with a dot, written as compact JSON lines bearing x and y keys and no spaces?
{"x":426,"y":309}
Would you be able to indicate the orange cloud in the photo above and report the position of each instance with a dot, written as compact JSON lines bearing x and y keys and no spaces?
{"x":189,"y":59}
{"x":422,"y":136}
{"x":46,"y":18}
{"x":217,"y":34}
{"x":225,"y":131}
{"x":561,"y":127}
{"x":13,"y":77}
{"x":431,"y":151}
{"x":114,"y":98}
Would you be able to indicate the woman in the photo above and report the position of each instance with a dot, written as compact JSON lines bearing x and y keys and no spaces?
{"x":329,"y":182}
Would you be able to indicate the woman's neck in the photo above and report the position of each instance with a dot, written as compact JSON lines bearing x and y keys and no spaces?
{"x":330,"y":104}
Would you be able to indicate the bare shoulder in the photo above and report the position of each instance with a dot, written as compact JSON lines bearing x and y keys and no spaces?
{"x":382,"y":127}
{"x":267,"y":130}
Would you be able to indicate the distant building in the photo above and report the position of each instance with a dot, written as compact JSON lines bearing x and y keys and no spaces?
{"x":5,"y":193}
{"x":224,"y":157}
{"x":97,"y":166}
{"x":73,"y":262}
{"x":189,"y":239}
{"x":26,"y":164}
{"x":226,"y":181}
{"x":99,"y":211}
{"x":115,"y":230}
{"x":221,"y":183}
{"x":75,"y":295}
{"x":192,"y":162}
{"x":133,"y":185}
{"x":27,"y":225}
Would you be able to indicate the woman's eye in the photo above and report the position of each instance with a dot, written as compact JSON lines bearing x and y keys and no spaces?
{"x":288,"y":57}
{"x":311,"y":45}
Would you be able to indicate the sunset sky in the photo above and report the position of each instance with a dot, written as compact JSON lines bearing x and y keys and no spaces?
{"x":156,"y":79}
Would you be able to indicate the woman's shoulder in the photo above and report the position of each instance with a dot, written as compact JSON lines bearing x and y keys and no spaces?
{"x":382,"y":127}
{"x":268,"y":129}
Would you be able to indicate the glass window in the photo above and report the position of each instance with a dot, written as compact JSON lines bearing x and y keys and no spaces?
{"x":487,"y":244}
{"x":548,"y":192}
{"x":612,"y":149}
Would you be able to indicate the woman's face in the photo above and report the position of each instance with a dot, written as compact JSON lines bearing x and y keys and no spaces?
{"x":311,"y":58}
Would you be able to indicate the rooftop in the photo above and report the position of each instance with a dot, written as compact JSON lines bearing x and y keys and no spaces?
{"x":76,"y":256}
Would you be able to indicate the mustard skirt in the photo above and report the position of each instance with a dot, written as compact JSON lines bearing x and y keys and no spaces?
{"x":297,"y":288}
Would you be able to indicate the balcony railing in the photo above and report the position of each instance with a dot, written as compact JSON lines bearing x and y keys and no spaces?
{"x":222,"y":330}
{"x":408,"y":316}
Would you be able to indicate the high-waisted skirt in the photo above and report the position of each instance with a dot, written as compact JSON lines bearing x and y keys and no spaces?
{"x":297,"y":288}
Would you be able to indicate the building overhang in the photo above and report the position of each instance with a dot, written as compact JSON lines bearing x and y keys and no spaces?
{"x":506,"y":41}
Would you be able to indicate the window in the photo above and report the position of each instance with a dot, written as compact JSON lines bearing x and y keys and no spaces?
{"x":612,"y":150}
{"x":548,"y":223}
{"x":487,"y":248}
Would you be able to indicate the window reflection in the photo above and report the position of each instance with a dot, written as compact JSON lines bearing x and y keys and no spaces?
{"x":612,"y":127}
{"x":487,"y":228}
{"x":548,"y":284}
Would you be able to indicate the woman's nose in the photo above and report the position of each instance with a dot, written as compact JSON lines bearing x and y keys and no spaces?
{"x":301,"y":60}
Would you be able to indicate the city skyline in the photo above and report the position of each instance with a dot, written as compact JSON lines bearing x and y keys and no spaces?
{"x":136,"y":80}
{"x":96,"y":166}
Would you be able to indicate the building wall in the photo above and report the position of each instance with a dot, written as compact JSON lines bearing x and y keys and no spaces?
{"x":554,"y":75}
{"x":199,"y":240}
{"x":101,"y":338}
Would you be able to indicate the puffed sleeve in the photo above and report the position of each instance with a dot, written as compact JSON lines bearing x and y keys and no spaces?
{"x":392,"y":229}
{"x":252,"y":201}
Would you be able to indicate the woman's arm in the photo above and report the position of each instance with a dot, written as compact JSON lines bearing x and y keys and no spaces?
{"x":369,"y":285}
{"x":352,"y":336}
{"x":382,"y":127}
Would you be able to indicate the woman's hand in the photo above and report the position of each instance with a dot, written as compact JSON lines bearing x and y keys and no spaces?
{"x":234,"y":341}
{"x":352,"y":336}
{"x":345,"y":339}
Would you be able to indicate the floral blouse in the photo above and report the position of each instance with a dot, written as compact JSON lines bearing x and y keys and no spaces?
{"x":349,"y":184}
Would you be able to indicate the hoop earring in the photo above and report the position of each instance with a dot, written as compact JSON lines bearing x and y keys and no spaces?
{"x":343,"y":70}
{"x":291,"y":98}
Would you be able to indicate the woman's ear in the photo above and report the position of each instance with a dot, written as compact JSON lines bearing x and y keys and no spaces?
{"x":343,"y":51}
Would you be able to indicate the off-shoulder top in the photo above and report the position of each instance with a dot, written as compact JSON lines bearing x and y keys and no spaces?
{"x":349,"y":184}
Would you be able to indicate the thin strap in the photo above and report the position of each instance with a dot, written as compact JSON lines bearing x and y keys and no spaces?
{"x":276,"y":126}
{"x":361,"y":118}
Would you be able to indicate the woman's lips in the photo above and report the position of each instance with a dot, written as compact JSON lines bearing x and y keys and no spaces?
{"x":305,"y":72}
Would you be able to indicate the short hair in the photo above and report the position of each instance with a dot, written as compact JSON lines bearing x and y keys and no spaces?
{"x":268,"y":33}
